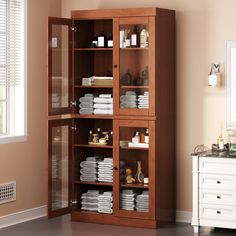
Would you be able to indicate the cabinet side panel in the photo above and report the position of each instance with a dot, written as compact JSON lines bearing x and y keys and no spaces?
{"x":165,"y":112}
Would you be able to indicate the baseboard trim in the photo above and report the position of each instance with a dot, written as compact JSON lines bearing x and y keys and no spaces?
{"x":184,"y":216}
{"x":38,"y":212}
{"x":22,"y":216}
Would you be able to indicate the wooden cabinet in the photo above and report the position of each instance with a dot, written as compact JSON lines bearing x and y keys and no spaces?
{"x":142,"y":91}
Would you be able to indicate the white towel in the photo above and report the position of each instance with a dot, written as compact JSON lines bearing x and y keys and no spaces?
{"x":86,"y":105}
{"x":103,"y":112}
{"x":86,"y":111}
{"x":103,"y":106}
{"x":103,"y":100}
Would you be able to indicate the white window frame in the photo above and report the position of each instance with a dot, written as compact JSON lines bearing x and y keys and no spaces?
{"x":4,"y":139}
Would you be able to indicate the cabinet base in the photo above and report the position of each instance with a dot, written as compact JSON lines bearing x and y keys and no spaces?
{"x":112,"y":220}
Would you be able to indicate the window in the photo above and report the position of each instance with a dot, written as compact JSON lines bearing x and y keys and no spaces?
{"x":12,"y":70}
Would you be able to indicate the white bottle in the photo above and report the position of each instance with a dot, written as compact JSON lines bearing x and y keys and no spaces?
{"x":136,"y":138}
{"x":146,"y":137}
{"x":144,"y":38}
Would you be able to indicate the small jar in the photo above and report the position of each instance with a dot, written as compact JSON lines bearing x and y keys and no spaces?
{"x":95,"y":138}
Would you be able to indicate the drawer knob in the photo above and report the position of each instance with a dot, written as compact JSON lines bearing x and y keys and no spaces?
{"x":218,"y":182}
{"x":218,"y":197}
{"x":218,"y":212}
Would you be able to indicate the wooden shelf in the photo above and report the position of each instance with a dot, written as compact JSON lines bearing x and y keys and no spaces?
{"x":134,"y":87}
{"x":93,"y":86}
{"x":105,"y":117}
{"x":135,"y":148}
{"x":93,"y":49}
{"x":134,"y":49}
{"x":93,"y":146}
{"x":94,"y":183}
{"x":142,"y":186}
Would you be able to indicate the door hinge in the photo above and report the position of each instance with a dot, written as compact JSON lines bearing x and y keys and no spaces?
{"x":73,"y":103}
{"x":73,"y":202}
{"x":73,"y":29}
{"x":74,"y":128}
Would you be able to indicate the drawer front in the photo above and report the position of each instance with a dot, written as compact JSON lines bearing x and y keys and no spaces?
{"x":217,"y":165}
{"x":217,"y":212}
{"x":207,"y":196}
{"x":217,"y":182}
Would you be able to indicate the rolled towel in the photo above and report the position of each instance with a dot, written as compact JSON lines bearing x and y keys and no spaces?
{"x":86,"y":99}
{"x":103,"y":105}
{"x":86,"y":111}
{"x":86,"y":105}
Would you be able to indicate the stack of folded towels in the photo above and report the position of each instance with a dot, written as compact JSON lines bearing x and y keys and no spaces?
{"x":128,"y":199}
{"x":143,"y":101}
{"x":90,"y":200}
{"x":103,"y":104}
{"x":86,"y":104}
{"x":56,"y":100}
{"x":129,"y":100}
{"x":89,"y":169}
{"x":142,"y":202}
{"x":105,"y":204}
{"x":105,"y":170}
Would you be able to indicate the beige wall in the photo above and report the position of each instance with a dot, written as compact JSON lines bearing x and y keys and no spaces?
{"x":25,"y":162}
{"x":202,"y":28}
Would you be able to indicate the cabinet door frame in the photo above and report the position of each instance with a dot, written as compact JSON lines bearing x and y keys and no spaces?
{"x":151,"y":22}
{"x":151,"y":169}
{"x":55,"y":123}
{"x":61,"y":22}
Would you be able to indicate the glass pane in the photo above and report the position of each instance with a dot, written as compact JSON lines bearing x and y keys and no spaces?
{"x":2,"y":92}
{"x":60,"y":66}
{"x":3,"y":118}
{"x":60,"y":175}
{"x":134,"y":72}
{"x":134,"y":176}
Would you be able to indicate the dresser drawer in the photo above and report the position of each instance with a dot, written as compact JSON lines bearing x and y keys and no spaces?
{"x":217,"y":165}
{"x":217,"y":182}
{"x":207,"y":196}
{"x":217,"y":212}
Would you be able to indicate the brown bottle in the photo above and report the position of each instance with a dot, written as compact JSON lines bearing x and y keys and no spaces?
{"x":126,"y":78}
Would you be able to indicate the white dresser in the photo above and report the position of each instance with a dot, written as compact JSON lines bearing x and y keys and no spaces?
{"x":214,"y":191}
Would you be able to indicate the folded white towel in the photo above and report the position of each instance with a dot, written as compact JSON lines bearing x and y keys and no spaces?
{"x":103,"y":100}
{"x":103,"y":105}
{"x":86,"y":99}
{"x":103,"y":111}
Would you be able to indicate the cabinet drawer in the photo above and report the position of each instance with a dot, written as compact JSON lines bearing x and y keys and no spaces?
{"x":217,"y":165}
{"x":217,"y":197}
{"x":217,"y":212}
{"x":217,"y":182}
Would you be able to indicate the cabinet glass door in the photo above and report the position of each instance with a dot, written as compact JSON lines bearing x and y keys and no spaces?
{"x":59,"y":66}
{"x":136,"y":74}
{"x":135,"y":169}
{"x":59,"y":158}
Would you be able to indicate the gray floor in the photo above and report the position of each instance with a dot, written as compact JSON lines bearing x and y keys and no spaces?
{"x":62,"y":226}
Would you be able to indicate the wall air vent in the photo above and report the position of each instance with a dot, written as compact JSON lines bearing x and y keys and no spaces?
{"x":7,"y":192}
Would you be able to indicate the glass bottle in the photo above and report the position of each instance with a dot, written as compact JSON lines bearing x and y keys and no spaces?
{"x":145,"y":76}
{"x":126,"y":78}
{"x":101,"y":40}
{"x":146,"y":137}
{"x":110,"y":41}
{"x":220,"y":142}
{"x":99,"y":133}
{"x":144,"y":38}
{"x":90,"y":139}
{"x":142,"y":137}
{"x":94,"y":43}
{"x":139,"y":80}
{"x":135,"y":37}
{"x":111,"y":138}
{"x":136,"y":138}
